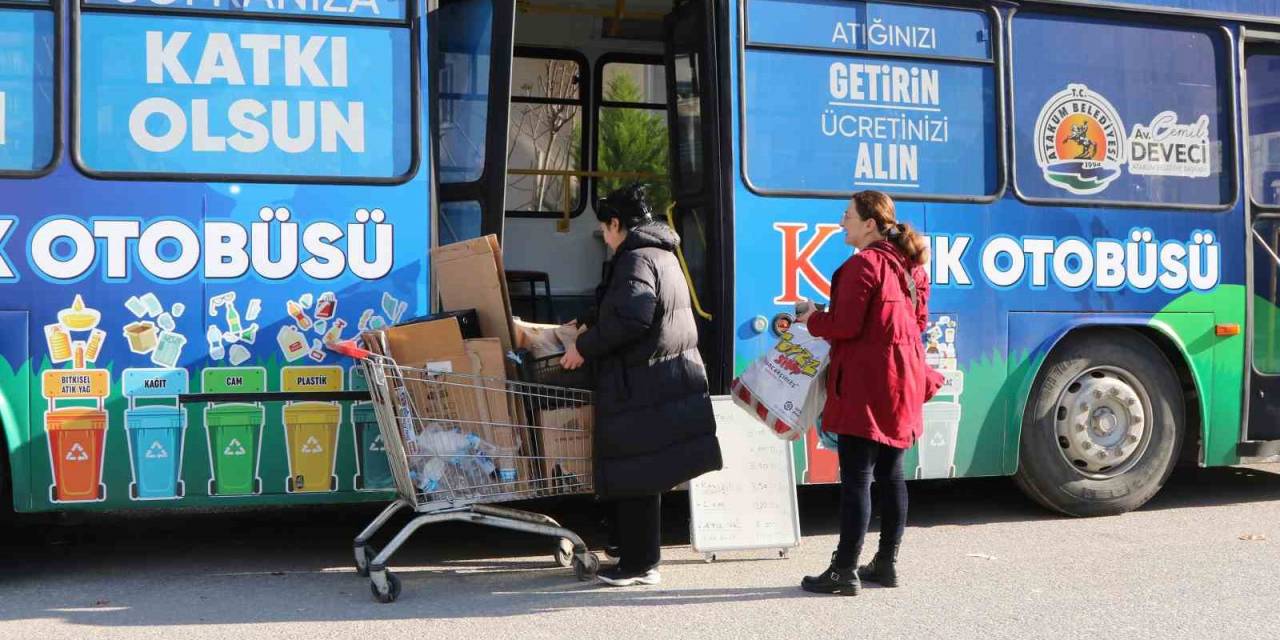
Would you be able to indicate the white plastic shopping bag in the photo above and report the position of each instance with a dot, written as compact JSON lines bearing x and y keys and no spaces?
{"x":786,"y":388}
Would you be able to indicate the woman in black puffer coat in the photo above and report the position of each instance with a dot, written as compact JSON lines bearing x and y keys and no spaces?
{"x":654,"y":426}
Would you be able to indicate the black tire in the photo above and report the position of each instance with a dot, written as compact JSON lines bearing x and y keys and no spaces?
{"x":393,"y":589}
{"x":564,"y":553}
{"x":1044,"y":472}
{"x":7,"y":511}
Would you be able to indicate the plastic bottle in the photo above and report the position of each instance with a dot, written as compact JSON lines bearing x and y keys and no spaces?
{"x":429,"y":473}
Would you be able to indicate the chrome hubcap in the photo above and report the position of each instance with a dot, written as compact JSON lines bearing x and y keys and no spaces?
{"x":1102,"y":422}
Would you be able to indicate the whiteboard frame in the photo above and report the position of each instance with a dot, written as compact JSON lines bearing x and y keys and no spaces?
{"x":794,"y":505}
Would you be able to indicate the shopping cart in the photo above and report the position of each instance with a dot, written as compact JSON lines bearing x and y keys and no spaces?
{"x":458,"y":444}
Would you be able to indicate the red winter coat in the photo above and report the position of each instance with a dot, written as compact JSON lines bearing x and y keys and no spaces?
{"x":877,"y":377}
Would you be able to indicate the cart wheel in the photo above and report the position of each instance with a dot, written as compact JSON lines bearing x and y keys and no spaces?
{"x":53,"y":493}
{"x":564,"y":553}
{"x":288,"y":484}
{"x":393,"y":589}
{"x":182,"y":489}
{"x":364,"y":558}
{"x":585,"y":566}
{"x":133,"y":491}
{"x":102,"y":491}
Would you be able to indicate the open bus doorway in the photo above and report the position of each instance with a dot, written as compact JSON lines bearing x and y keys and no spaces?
{"x":601,"y":94}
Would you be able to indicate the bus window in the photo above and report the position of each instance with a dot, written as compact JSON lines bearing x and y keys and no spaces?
{"x":1263,"y":71}
{"x":463,"y":77}
{"x":471,"y":66}
{"x":546,"y":133}
{"x":896,"y":97}
{"x":26,"y":89}
{"x":688,"y":113}
{"x":1139,"y":116}
{"x":236,"y":97}
{"x":631,"y":126}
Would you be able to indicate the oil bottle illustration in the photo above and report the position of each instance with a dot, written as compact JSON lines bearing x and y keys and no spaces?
{"x":76,"y":419}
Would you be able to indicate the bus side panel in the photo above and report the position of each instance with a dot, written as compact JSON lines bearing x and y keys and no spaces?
{"x":1218,"y":370}
{"x":14,"y":384}
{"x":995,"y":266}
{"x":110,"y":337}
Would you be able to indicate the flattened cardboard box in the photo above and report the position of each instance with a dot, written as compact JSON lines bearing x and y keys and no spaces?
{"x":470,"y":275}
{"x":515,"y":468}
{"x":567,"y":448}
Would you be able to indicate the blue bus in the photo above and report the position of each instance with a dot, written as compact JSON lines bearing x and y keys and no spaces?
{"x":199,"y":194}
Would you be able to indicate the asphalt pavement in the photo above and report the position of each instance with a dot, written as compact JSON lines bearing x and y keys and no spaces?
{"x":979,"y":561}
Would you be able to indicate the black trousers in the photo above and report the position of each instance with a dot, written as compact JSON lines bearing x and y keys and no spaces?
{"x":861,"y":462}
{"x":637,"y":530}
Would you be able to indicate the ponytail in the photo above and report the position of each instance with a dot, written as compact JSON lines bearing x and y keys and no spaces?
{"x":909,"y":242}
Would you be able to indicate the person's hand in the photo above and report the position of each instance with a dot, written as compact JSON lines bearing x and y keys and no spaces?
{"x":804,"y":317}
{"x":571,"y":359}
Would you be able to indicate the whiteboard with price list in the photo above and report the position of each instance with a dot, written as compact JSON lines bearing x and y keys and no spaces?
{"x":751,"y":502}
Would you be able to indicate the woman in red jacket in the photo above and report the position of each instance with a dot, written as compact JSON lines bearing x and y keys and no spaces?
{"x":876,"y":382}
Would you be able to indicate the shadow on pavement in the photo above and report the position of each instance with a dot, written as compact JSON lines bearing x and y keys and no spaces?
{"x":142,"y":569}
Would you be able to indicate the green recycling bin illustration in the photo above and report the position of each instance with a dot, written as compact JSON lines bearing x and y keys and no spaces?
{"x":373,"y":470}
{"x":235,"y":431}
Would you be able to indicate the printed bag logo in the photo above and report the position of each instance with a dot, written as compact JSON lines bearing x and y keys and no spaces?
{"x":1080,"y":141}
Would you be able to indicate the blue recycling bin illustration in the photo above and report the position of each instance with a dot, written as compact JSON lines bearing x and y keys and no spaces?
{"x":373,"y":470}
{"x":156,"y":431}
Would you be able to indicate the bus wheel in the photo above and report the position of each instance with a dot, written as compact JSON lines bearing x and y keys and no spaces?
{"x":1103,"y":427}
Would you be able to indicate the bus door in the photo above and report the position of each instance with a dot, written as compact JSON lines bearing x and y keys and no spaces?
{"x":699,"y":212}
{"x":1262,"y":106}
{"x":471,"y":67}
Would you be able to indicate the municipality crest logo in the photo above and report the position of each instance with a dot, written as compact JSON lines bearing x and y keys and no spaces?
{"x":1080,"y":141}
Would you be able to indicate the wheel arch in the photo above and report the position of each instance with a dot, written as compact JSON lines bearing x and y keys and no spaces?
{"x":1160,"y":335}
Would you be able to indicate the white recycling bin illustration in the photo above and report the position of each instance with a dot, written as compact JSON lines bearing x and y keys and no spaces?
{"x":937,"y":447}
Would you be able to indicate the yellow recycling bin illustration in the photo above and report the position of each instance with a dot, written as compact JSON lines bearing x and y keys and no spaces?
{"x":311,"y":429}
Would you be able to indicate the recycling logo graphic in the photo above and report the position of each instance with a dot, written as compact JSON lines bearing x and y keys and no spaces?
{"x":77,"y":453}
{"x":156,"y":452}
{"x":377,"y":444}
{"x":234,"y":448}
{"x":312,"y":446}
{"x":937,"y":440}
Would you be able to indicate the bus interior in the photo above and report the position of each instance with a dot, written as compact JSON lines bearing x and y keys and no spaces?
{"x":598,"y":94}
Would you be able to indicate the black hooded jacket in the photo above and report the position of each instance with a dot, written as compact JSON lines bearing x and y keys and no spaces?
{"x":654,"y":425}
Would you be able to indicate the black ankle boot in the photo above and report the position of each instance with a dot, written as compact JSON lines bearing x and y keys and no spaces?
{"x":835,"y":580}
{"x":883,"y":568}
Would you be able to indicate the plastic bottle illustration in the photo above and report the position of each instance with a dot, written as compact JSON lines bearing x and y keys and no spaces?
{"x":216,"y":350}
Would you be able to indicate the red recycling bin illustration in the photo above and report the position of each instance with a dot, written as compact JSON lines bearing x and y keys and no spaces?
{"x":76,"y":418}
{"x":77,"y":434}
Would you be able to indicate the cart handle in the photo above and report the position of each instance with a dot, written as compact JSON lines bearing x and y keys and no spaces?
{"x":350,"y":348}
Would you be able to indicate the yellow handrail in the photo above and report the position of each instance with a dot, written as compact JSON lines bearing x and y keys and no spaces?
{"x":635,"y":175}
{"x":684,"y":266}
{"x":563,"y":224}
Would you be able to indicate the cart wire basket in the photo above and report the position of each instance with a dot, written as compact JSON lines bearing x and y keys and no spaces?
{"x":460,"y":444}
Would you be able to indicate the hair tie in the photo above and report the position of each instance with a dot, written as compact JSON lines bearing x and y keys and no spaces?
{"x":894,"y":230}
